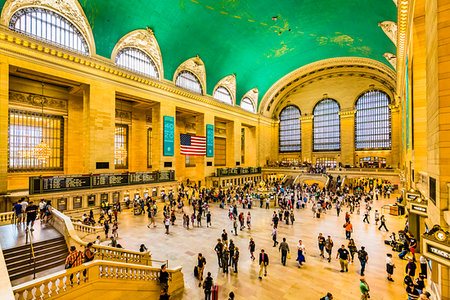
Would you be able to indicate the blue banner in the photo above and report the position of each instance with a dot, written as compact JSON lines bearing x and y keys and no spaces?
{"x":169,"y":136}
{"x":209,"y":140}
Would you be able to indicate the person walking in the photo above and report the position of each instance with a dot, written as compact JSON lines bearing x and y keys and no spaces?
{"x":32,"y":211}
{"x":352,"y":248}
{"x":348,"y":230}
{"x":366,"y":216}
{"x":343,"y":254}
{"x":263,"y":263}
{"x":235,"y":259}
{"x":274,"y":236}
{"x":321,"y":242}
{"x":389,"y":267}
{"x":251,"y":247}
{"x":225,"y":237}
{"x":364,"y":288}
{"x":208,"y":219}
{"x":219,"y":250}
{"x":383,"y":223}
{"x":201,"y":262}
{"x":284,"y":248}
{"x":167,"y":224}
{"x":301,"y":251}
{"x":207,"y":286}
{"x":329,"y":247}
{"x":235,"y":226}
{"x":363,"y":258}
{"x":410,"y":268}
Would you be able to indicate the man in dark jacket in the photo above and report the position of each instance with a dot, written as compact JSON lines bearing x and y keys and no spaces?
{"x":263,"y":263}
{"x":219,"y":249}
{"x":207,"y":286}
{"x":284,"y":248}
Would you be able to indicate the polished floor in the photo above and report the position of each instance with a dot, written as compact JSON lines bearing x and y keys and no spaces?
{"x":312,"y":281}
{"x":13,"y":235}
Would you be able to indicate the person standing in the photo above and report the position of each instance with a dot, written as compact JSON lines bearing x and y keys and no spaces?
{"x":167,"y":224}
{"x":235,"y":226}
{"x":235,"y":259}
{"x":284,"y":248}
{"x":31,"y":211}
{"x":249,"y":220}
{"x":251,"y":247}
{"x":301,"y":251}
{"x":225,"y":238}
{"x":363,"y":258}
{"x":225,"y":258}
{"x":219,"y":250}
{"x":348,"y":230}
{"x":208,"y":219}
{"x":389,"y":267}
{"x":423,"y":266}
{"x":201,"y":262}
{"x":364,"y":288}
{"x":263,"y":263}
{"x":343,"y":254}
{"x":207,"y":286}
{"x":410,"y":268}
{"x":383,"y":223}
{"x":164,"y":278}
{"x":74,"y":259}
{"x":329,"y":247}
{"x":231,"y":248}
{"x":274,"y":236}
{"x":321,"y":241}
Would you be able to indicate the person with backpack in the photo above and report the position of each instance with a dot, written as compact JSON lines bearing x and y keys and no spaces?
{"x":363,"y":258}
{"x":207,"y":286}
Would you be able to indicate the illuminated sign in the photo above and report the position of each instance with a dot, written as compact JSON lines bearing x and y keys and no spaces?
{"x":439,"y":252}
{"x":419,"y":208}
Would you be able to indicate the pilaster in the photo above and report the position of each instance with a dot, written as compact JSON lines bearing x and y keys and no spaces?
{"x":347,"y":136}
{"x":306,"y":124}
{"x":4,"y":87}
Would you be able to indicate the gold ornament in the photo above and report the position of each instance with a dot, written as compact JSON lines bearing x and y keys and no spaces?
{"x":42,"y":151}
{"x":120,"y":153}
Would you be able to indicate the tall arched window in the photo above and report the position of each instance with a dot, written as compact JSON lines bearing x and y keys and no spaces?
{"x":187,"y":80}
{"x":373,"y":121}
{"x":50,"y":27}
{"x":247,"y":104}
{"x":137,"y":61}
{"x":222,"y":94}
{"x":290,"y":130}
{"x":327,"y":126}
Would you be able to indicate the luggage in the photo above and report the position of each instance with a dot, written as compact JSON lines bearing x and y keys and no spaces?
{"x":215,"y":293}
{"x":397,"y":247}
{"x":195,"y":272}
{"x":318,"y":215}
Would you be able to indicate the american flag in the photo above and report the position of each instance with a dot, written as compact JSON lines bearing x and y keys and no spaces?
{"x":192,"y":145}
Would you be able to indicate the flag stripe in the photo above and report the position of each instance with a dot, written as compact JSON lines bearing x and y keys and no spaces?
{"x":192,"y":145}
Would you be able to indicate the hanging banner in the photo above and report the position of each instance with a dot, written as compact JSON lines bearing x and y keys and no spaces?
{"x":169,"y":136}
{"x":209,"y":140}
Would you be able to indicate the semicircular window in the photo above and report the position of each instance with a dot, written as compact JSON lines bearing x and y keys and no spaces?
{"x":327,"y":126}
{"x":137,"y":61}
{"x":290,"y":131}
{"x":50,"y":27}
{"x":247,"y":104}
{"x":222,"y":94}
{"x":187,"y":80}
{"x":373,"y":121}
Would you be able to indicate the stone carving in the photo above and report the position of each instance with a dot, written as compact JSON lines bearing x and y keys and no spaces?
{"x":253,"y":95}
{"x":395,"y":1}
{"x":144,"y":40}
{"x":37,"y":100}
{"x":392,"y":59}
{"x":390,"y":28}
{"x":230,"y":83}
{"x":70,"y":9}
{"x":347,"y":113}
{"x":196,"y":66}
{"x":190,"y":127}
{"x":123,"y":115}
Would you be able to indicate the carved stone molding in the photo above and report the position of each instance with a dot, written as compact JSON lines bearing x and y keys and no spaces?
{"x":196,"y":66}
{"x":395,"y":1}
{"x":220,"y":131}
{"x":392,"y":59}
{"x":253,"y":95}
{"x":229,"y":82}
{"x":190,"y":126}
{"x":34,"y":100}
{"x":347,"y":114}
{"x":390,"y":28}
{"x":394,"y":107}
{"x":69,"y":9}
{"x":123,"y":115}
{"x":148,"y":119}
{"x":143,"y":40}
{"x":307,"y":119}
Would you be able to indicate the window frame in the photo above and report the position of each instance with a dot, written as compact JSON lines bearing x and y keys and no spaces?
{"x":326,"y":125}
{"x":185,"y":87}
{"x":280,"y":130}
{"x":228,"y":93}
{"x":125,"y":143}
{"x":252,"y":103}
{"x":151,"y":62}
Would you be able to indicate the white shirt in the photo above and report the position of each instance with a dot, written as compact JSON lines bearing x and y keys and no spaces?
{"x":24,"y":205}
{"x":42,"y":205}
{"x":389,"y":261}
{"x":301,"y":247}
{"x":423,"y":260}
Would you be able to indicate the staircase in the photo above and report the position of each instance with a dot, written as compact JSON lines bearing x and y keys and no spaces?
{"x":289,"y":181}
{"x":49,"y":254}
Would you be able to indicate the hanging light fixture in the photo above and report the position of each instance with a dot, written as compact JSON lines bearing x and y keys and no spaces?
{"x":120,"y":153}
{"x":42,"y":151}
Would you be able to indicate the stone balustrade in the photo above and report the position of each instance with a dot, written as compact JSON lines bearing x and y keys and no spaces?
{"x":86,"y":228}
{"x":100,"y":279}
{"x":7,"y":218}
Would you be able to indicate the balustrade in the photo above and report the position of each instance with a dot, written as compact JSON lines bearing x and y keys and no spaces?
{"x":7,"y":218}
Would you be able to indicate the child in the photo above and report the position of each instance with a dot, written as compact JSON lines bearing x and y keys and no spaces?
{"x":389,"y":267}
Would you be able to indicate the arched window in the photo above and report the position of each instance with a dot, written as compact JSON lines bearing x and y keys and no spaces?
{"x":290,"y":130}
{"x":247,"y":104}
{"x":373,"y":121}
{"x":137,"y":61}
{"x":222,"y":94}
{"x":50,"y":27}
{"x":327,"y":126}
{"x":187,"y":80}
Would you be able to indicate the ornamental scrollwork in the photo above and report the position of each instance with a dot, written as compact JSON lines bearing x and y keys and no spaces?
{"x":390,"y":28}
{"x":391,"y":58}
{"x":197,"y":67}
{"x":37,"y":101}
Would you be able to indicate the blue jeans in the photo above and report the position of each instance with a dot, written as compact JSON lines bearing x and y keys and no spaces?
{"x":403,"y":254}
{"x":363,"y":266}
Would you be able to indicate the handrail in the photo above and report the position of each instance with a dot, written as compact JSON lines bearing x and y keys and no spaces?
{"x":32,"y":256}
{"x":103,"y":272}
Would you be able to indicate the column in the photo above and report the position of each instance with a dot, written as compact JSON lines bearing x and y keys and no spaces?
{"x":138,"y":141}
{"x":396,"y":132}
{"x":4,"y":99}
{"x":347,"y":137}
{"x":251,"y":147}
{"x":99,"y":126}
{"x":306,"y":124}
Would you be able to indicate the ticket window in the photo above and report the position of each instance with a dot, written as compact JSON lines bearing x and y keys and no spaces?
{"x":116,"y":197}
{"x":104,"y":197}
{"x":91,"y":200}
{"x":126,"y":197}
{"x":154,"y":192}
{"x":145,"y":194}
{"x":77,"y":202}
{"x":62,"y":204}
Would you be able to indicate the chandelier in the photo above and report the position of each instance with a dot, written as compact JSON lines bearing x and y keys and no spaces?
{"x":42,"y":151}
{"x":120,"y":153}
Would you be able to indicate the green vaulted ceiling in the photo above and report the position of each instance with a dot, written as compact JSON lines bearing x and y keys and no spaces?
{"x":239,"y":36}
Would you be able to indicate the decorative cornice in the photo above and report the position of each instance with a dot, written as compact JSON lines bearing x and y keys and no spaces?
{"x":229,"y":82}
{"x":394,"y":107}
{"x":197,"y":67}
{"x":252,"y":95}
{"x":69,"y":9}
{"x":34,"y":100}
{"x":307,"y":119}
{"x":144,"y":40}
{"x":403,"y":16}
{"x":390,"y":29}
{"x":347,"y":113}
{"x":392,"y":59}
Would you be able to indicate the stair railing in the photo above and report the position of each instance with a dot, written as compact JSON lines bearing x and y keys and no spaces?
{"x":32,"y":255}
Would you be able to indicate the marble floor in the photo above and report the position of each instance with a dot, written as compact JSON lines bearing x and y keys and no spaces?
{"x":312,"y":281}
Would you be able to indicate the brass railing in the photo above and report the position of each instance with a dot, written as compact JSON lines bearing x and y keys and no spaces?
{"x":32,"y":256}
